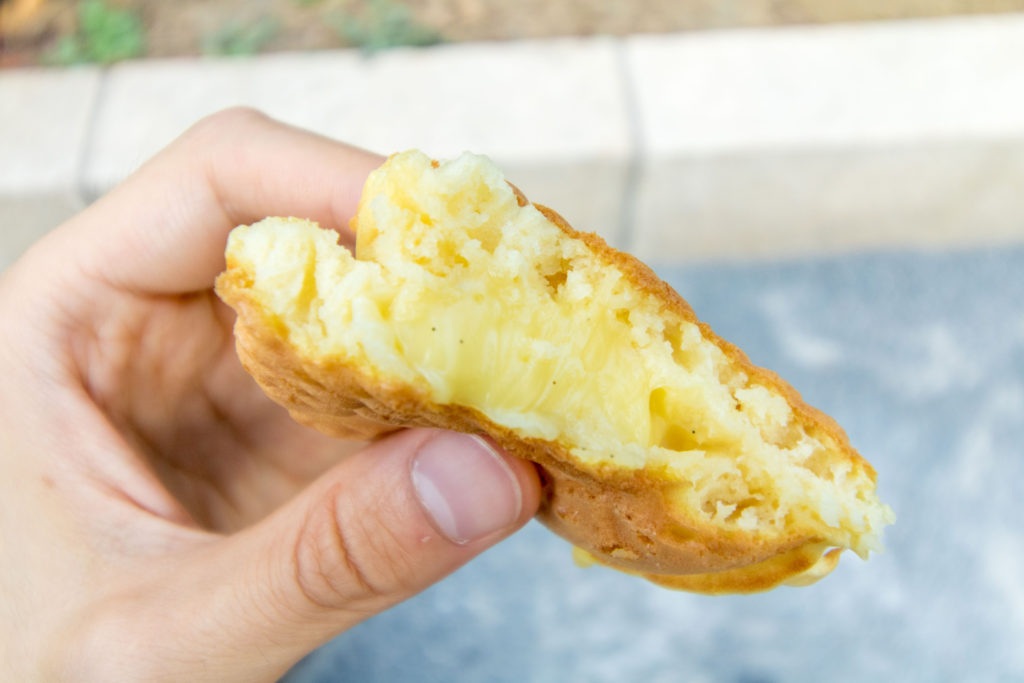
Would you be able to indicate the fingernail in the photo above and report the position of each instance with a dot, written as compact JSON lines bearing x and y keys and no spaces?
{"x":465,"y":486}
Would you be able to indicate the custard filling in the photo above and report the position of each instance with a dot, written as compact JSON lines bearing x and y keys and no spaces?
{"x":474,"y":300}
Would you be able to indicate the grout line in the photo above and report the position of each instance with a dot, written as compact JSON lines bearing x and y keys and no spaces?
{"x":636,"y":156}
{"x":87,"y":195}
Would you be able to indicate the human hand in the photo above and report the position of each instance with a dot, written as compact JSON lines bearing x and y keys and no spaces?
{"x":160,"y":519}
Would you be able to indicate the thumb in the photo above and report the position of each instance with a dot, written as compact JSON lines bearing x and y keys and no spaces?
{"x":375,"y":530}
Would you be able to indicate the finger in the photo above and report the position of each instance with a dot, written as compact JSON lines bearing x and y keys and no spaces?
{"x":163,"y":230}
{"x":375,"y":530}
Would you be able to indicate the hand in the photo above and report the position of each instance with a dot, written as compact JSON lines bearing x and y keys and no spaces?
{"x":160,"y":519}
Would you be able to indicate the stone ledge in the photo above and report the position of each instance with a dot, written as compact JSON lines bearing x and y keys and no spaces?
{"x":800,"y":141}
{"x":527,"y":105}
{"x":44,"y":124}
{"x":752,"y":143}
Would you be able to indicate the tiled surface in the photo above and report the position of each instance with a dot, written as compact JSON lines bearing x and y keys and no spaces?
{"x":811,"y":140}
{"x":26,"y":218}
{"x":525,"y":102}
{"x":690,"y":147}
{"x":44,"y":116}
{"x":771,"y":203}
{"x":921,"y":359}
{"x":859,"y":84}
{"x":589,"y":193}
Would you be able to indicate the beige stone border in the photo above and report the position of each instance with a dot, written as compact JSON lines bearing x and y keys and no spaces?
{"x":719,"y":145}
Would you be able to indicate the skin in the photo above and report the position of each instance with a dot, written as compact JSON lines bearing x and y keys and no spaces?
{"x":160,"y":518}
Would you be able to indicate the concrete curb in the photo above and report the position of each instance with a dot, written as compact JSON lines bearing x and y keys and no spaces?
{"x":729,"y":144}
{"x":808,"y":140}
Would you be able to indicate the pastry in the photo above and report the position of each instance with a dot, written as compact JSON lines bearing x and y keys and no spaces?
{"x":664,"y":452}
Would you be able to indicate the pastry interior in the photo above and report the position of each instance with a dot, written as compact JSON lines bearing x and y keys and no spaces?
{"x":469,"y":296}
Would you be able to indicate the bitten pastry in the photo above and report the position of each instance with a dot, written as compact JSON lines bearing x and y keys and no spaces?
{"x":664,"y":452}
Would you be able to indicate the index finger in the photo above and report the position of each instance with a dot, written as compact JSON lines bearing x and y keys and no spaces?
{"x":163,"y":230}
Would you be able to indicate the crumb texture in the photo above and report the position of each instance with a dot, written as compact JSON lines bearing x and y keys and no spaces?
{"x":470,"y":297}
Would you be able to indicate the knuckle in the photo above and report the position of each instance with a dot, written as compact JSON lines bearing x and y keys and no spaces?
{"x":343,"y":563}
{"x":230,"y":121}
{"x":232,"y":117}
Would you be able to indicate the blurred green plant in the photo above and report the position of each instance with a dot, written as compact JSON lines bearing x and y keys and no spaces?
{"x":105,"y":34}
{"x":241,"y":39}
{"x":307,"y":3}
{"x":385,"y":24}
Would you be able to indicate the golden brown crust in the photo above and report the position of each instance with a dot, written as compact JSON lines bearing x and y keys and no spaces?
{"x":645,"y":279}
{"x":621,"y":519}
{"x":622,"y":522}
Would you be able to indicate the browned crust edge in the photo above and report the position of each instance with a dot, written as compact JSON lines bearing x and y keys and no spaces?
{"x":644,"y":278}
{"x":620,"y":519}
